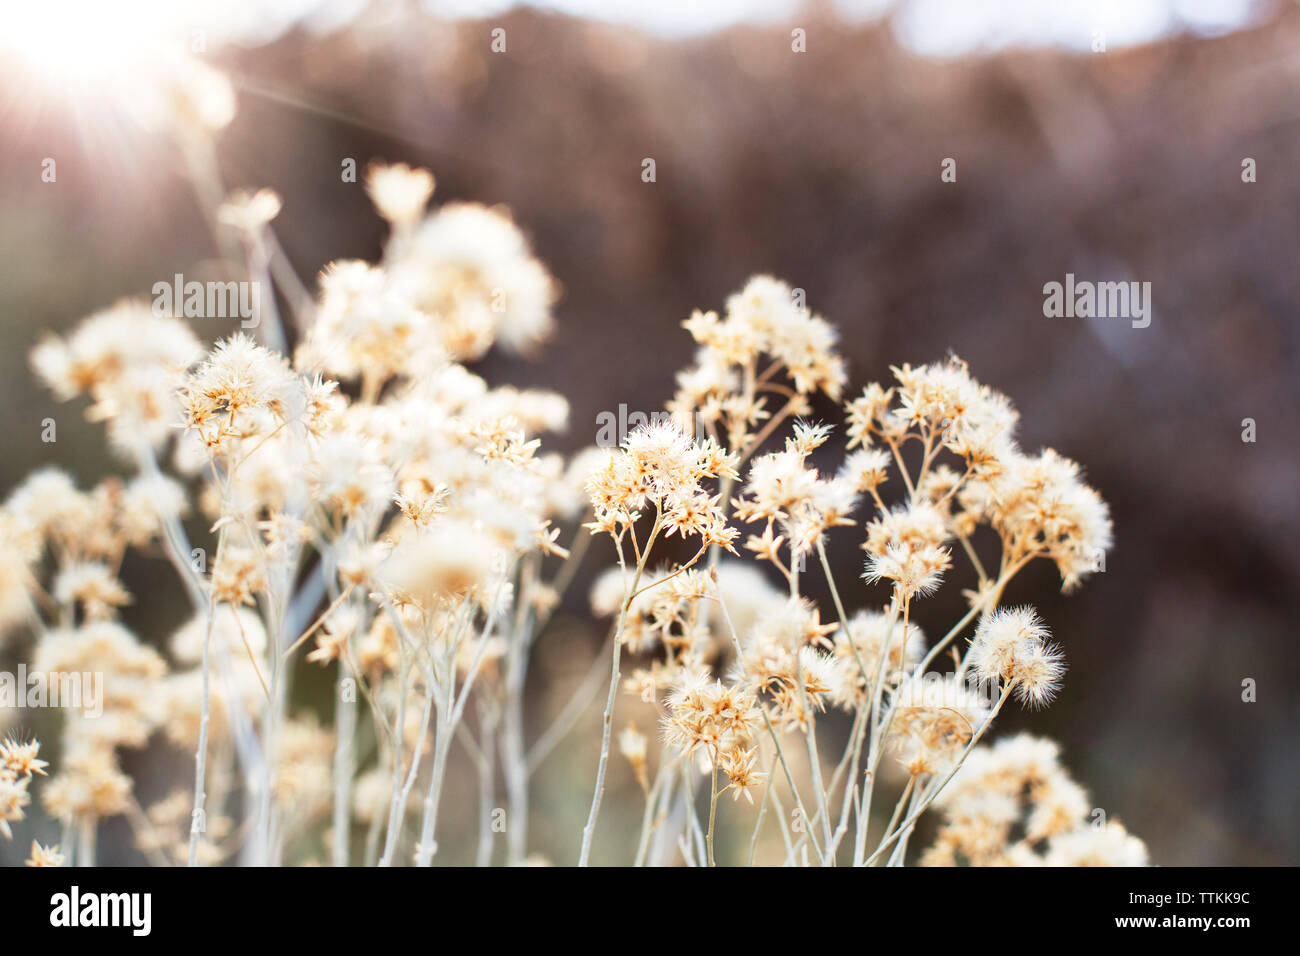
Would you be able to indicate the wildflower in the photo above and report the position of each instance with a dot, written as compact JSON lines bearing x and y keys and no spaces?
{"x":198,"y":96}
{"x":93,"y":586}
{"x":348,"y":473}
{"x":365,"y":329}
{"x":1059,"y":804}
{"x":1013,"y":804}
{"x":130,"y":708}
{"x":785,"y":493}
{"x":372,"y":793}
{"x":14,"y":799}
{"x":334,"y":635}
{"x":44,"y":855}
{"x":127,"y":360}
{"x":710,"y":719}
{"x":660,"y":465}
{"x":915,"y":572}
{"x":778,"y":655}
{"x":971,"y":419}
{"x":48,"y":504}
{"x":866,"y":469}
{"x":19,"y":759}
{"x":665,"y":613}
{"x":421,"y":502}
{"x":725,"y":387}
{"x":239,"y":575}
{"x":935,"y":717}
{"x":16,"y":558}
{"x":906,"y":546}
{"x":804,"y":342}
{"x":399,"y":192}
{"x":866,"y":414}
{"x":470,"y":267}
{"x":1040,"y":507}
{"x":249,"y":213}
{"x":1011,"y":645}
{"x":824,"y":676}
{"x":1107,"y":845}
{"x":450,"y":560}
{"x":742,"y":778}
{"x":89,"y":784}
{"x":18,"y":763}
{"x":242,"y":390}
{"x":420,"y":507}
{"x":148,"y":502}
{"x":304,"y":768}
{"x":98,"y":646}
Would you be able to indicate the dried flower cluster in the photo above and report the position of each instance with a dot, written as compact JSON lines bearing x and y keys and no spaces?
{"x":372,"y":507}
{"x":1012,"y":804}
{"x":742,"y":671}
{"x":18,"y":762}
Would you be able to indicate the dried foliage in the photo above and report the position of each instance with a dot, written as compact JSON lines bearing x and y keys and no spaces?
{"x":379,"y":510}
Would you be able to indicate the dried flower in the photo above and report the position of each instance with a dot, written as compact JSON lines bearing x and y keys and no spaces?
{"x":44,"y":855}
{"x":377,"y":507}
{"x":399,"y":192}
{"x":1011,"y":645}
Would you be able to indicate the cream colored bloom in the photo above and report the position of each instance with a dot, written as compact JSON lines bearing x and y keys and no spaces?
{"x":250,"y":212}
{"x":399,"y":192}
{"x":44,"y":856}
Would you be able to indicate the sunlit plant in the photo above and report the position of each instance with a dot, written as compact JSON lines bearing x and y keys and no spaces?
{"x":376,"y":508}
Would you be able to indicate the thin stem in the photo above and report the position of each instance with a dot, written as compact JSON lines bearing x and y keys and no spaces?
{"x":902,"y":468}
{"x":198,"y":823}
{"x":324,"y":615}
{"x":450,"y":710}
{"x":589,"y":830}
{"x":789,"y":779}
{"x":934,"y":792}
{"x":762,"y":809}
{"x":713,"y":810}
{"x":974,"y":559}
{"x":345,"y":730}
{"x":814,"y":761}
{"x":900,"y":848}
{"x":428,"y":845}
{"x":86,"y":854}
{"x":877,"y":738}
{"x":859,"y":724}
{"x":902,"y":801}
{"x":649,"y":819}
{"x":397,"y":805}
{"x":484,"y":756}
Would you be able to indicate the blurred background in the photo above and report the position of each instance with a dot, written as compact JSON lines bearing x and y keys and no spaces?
{"x":1104,"y":139}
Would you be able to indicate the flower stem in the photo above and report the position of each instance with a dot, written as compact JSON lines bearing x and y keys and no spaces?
{"x":713,"y":810}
